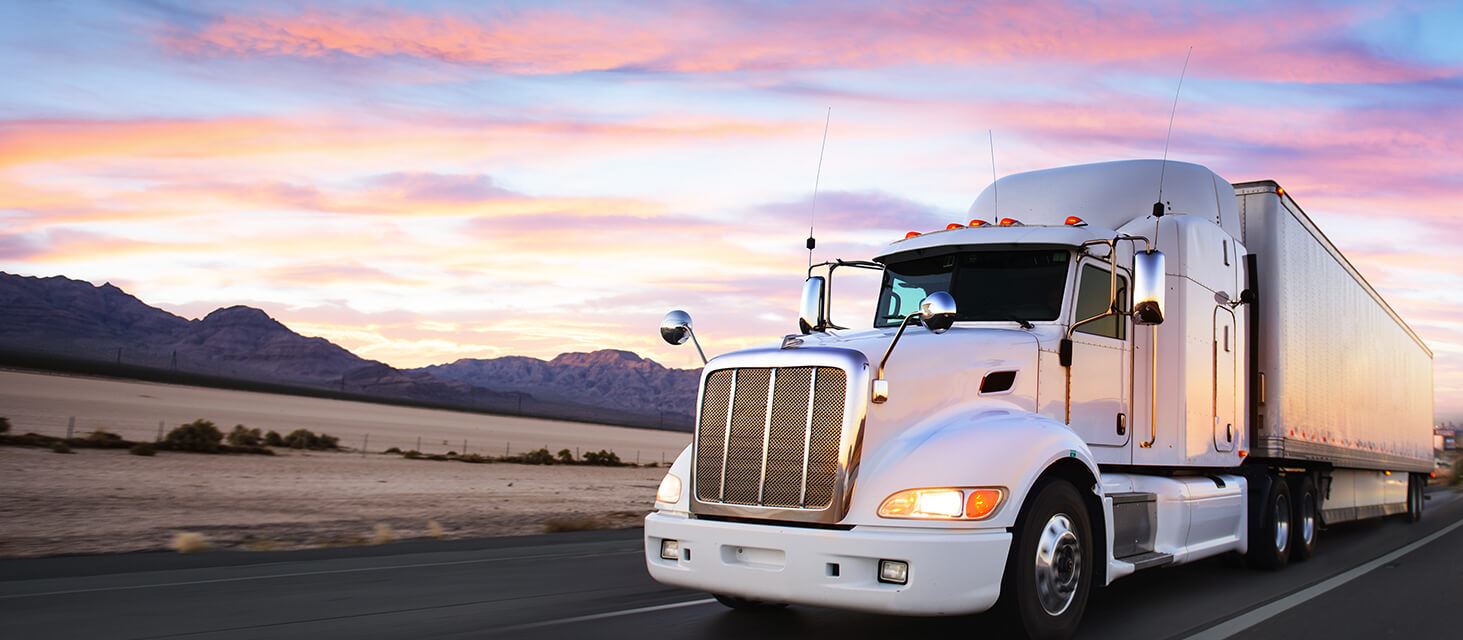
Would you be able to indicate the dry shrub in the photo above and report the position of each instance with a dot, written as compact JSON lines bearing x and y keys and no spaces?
{"x":200,"y":435}
{"x":143,"y":449}
{"x":243,"y":436}
{"x":4,"y":424}
{"x":189,"y":542}
{"x":575,"y":523}
{"x":61,"y":447}
{"x":383,"y":534}
{"x":435,"y":529}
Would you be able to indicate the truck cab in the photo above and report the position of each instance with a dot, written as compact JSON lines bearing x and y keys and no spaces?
{"x":1054,"y":394}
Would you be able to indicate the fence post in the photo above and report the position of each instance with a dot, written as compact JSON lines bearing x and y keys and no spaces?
{"x":365,"y":443}
{"x":159,"y":431}
{"x":464,"y":446}
{"x":662,"y":458}
{"x":576,"y":453}
{"x":70,"y":426}
{"x":506,"y":446}
{"x":637,"y":457}
{"x":419,"y":444}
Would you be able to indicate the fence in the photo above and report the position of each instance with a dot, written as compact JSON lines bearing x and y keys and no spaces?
{"x":148,"y":430}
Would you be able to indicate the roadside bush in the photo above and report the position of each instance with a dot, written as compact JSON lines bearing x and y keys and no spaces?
{"x":200,"y":436}
{"x":243,"y":436}
{"x":273,"y":439}
{"x":602,"y":458}
{"x":143,"y":449}
{"x":395,"y":450}
{"x":412,"y":455}
{"x":61,"y":447}
{"x":4,"y":424}
{"x":474,"y":458}
{"x":306,"y":439}
{"x":101,"y":439}
{"x":537,"y":456}
{"x":566,"y":456}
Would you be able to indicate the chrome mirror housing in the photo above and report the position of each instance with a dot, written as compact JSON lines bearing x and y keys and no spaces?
{"x":1148,"y":270}
{"x":937,"y":311}
{"x":810,"y":310}
{"x":675,"y":329}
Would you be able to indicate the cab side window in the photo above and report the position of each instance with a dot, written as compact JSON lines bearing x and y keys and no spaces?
{"x":1092,"y":299}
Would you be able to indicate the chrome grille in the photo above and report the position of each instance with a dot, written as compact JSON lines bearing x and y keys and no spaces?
{"x":770,"y":436}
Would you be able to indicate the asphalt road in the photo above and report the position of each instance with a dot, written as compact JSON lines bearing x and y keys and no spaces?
{"x":1374,"y":579}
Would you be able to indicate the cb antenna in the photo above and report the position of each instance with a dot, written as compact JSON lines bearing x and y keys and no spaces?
{"x":995,"y":191}
{"x":1163,"y":168}
{"x":813,"y":216}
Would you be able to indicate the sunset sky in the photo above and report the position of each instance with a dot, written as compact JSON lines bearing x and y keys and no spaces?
{"x":428,"y":181}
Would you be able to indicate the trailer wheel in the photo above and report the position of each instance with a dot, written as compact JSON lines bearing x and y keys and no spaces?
{"x":1415,"y":498}
{"x":1306,"y":519}
{"x":746,"y":604}
{"x":1049,"y":571}
{"x":1270,"y":527}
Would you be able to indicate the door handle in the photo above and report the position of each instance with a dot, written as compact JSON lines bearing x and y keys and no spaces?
{"x":1122,"y":424}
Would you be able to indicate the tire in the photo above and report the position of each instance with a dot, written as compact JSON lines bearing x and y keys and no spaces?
{"x":1270,"y":529}
{"x":745,"y":604}
{"x":1415,"y":497}
{"x":1049,"y":570}
{"x":1305,"y":518}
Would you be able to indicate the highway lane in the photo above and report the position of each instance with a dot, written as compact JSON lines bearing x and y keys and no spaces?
{"x":594,"y":584}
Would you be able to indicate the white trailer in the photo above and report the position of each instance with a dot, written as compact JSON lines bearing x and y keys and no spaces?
{"x":1104,"y":384}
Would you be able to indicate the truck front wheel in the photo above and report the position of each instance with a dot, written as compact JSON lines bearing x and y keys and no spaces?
{"x":1270,"y":530}
{"x":1049,"y":571}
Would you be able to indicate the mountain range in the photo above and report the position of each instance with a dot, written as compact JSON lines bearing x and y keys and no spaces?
{"x":73,"y":319}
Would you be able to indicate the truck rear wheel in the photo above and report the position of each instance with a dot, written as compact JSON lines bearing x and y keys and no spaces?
{"x":746,"y":604}
{"x":1306,"y":519}
{"x":1049,"y":571}
{"x":1270,"y":530}
{"x":1415,"y":497}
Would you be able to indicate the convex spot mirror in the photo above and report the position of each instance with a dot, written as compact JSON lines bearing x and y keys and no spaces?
{"x":1148,"y":270}
{"x":676,"y":327}
{"x":937,"y":311}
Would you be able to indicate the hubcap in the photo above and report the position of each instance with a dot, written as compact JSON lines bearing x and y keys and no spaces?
{"x":1282,"y":522}
{"x":1308,"y":520}
{"x":1058,"y":564}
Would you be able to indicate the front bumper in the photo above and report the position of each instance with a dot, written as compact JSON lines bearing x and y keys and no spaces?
{"x":951,"y":571}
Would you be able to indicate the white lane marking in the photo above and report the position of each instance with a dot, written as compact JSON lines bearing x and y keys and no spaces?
{"x":1236,"y":625}
{"x":602,"y":616}
{"x":312,"y":573}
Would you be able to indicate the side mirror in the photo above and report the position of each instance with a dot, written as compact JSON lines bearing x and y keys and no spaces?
{"x":810,"y":310}
{"x":1148,"y":272}
{"x":676,"y":330}
{"x":937,"y":311}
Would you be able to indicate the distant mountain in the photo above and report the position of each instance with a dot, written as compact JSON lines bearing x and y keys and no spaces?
{"x":618,"y":378}
{"x":76,"y":320}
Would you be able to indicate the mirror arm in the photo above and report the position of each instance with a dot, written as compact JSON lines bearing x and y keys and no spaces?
{"x":881,"y":386}
{"x":696,"y":342}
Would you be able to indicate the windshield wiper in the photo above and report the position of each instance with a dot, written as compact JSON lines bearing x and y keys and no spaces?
{"x":1024,"y":324}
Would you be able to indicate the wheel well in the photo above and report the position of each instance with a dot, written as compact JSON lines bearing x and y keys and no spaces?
{"x":1080,"y":477}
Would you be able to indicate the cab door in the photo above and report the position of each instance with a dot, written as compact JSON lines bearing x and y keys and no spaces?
{"x":1099,"y":374}
{"x":1224,"y":351}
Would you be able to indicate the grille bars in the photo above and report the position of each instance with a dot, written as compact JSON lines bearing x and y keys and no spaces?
{"x":766,"y":433}
{"x":726,"y":434}
{"x":808,"y":438}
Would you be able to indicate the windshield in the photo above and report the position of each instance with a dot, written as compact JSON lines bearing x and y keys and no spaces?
{"x":987,"y":285}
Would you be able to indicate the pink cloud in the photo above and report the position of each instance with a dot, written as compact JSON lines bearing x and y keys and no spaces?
{"x":1304,"y":43}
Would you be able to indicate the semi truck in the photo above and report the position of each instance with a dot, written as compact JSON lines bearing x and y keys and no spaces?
{"x":1082,"y":381}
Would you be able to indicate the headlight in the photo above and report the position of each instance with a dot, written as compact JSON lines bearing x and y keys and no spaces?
{"x":945,"y":503}
{"x":670,"y":489}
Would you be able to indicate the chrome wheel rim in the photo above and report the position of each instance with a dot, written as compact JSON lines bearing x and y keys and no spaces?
{"x":1308,"y":520}
{"x":1058,"y":564}
{"x":1282,"y":522}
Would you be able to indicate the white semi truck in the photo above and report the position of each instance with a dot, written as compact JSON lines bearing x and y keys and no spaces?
{"x":1101,"y":385}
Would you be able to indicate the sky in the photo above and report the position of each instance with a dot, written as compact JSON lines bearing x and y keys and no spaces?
{"x":426,"y":181}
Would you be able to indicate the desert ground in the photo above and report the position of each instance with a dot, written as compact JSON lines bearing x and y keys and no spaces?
{"x":45,"y":403}
{"x":107,"y":500}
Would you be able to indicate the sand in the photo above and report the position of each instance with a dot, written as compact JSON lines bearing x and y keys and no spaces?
{"x":45,"y":403}
{"x":109,"y":501}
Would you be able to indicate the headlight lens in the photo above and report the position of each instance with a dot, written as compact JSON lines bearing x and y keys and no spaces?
{"x":670,"y":489}
{"x":944,"y":503}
